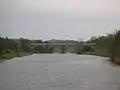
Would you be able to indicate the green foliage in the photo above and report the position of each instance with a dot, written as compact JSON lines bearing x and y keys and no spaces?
{"x":36,"y":41}
{"x":9,"y":48}
{"x":115,"y":50}
{"x":108,"y":45}
{"x":117,"y":38}
{"x":103,"y":43}
{"x":103,"y":54}
{"x":79,"y":52}
{"x":87,"y":49}
{"x":6,"y":43}
{"x":7,"y":54}
{"x":7,"y":51}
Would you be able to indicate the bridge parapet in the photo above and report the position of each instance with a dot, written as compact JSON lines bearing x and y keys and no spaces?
{"x":60,"y":44}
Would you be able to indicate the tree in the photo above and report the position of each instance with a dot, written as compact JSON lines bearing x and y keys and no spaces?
{"x":38,"y":41}
{"x":87,"y":49}
{"x":115,"y":49}
{"x":6,"y":43}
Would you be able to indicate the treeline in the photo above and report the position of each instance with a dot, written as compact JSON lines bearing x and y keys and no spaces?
{"x":14,"y":44}
{"x":108,"y":45}
{"x":19,"y":47}
{"x":10,"y":48}
{"x":6,"y":43}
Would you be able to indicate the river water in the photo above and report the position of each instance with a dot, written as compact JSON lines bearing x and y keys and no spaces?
{"x":59,"y":72}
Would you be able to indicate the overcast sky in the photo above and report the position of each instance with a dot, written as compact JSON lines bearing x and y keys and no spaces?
{"x":58,"y":19}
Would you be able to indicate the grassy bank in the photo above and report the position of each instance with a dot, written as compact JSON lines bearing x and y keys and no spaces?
{"x":12,"y":55}
{"x":97,"y":54}
{"x":115,"y":61}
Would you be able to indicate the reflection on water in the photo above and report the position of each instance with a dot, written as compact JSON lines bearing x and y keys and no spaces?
{"x":1,"y":61}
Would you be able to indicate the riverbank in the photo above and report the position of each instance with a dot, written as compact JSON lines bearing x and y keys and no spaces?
{"x":12,"y":55}
{"x":116,"y":60}
{"x":97,"y":54}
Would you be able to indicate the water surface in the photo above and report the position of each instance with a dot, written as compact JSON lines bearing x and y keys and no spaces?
{"x":59,"y":72}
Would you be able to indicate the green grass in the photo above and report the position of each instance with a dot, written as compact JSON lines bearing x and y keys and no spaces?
{"x":7,"y":56}
{"x":20,"y":54}
{"x":12,"y":55}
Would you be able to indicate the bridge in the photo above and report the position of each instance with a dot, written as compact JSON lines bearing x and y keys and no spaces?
{"x":56,"y":45}
{"x":62,"y":46}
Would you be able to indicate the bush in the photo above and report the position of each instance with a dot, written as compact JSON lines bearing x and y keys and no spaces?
{"x":20,"y":54}
{"x":7,"y":56}
{"x":103,"y":54}
{"x":7,"y":51}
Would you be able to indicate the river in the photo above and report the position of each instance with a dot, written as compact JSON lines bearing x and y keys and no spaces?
{"x":59,"y":72}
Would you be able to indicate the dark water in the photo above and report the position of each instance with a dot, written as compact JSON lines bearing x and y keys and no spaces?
{"x":59,"y":72}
